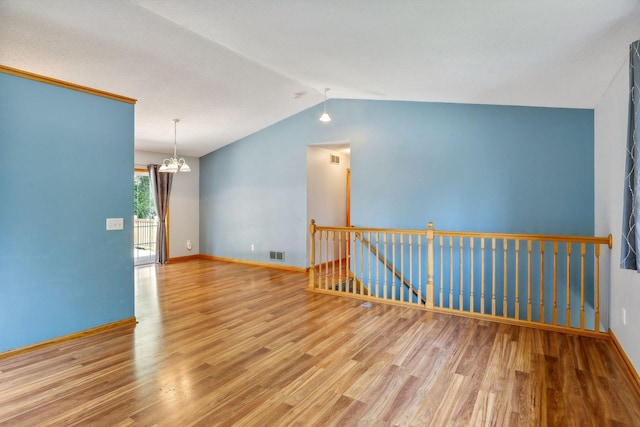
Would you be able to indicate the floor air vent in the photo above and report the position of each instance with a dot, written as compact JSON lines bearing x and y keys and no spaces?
{"x":276,"y":256}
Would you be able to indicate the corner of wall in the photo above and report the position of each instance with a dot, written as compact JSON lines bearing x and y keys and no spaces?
{"x":610,"y":122}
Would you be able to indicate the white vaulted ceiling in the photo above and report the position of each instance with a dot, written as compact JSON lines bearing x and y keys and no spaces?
{"x":228,"y":68}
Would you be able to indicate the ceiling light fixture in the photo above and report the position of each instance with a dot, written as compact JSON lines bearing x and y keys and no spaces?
{"x":173,"y":164}
{"x":325,"y":116}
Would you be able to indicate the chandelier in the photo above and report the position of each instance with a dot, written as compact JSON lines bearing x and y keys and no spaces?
{"x":173,"y":164}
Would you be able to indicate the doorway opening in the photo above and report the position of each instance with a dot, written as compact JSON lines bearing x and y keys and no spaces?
{"x":145,"y":219}
{"x":329,"y":184}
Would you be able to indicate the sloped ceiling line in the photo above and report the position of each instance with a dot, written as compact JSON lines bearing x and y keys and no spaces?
{"x":228,"y":68}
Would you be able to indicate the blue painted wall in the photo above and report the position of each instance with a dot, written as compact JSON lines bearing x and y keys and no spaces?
{"x":464,"y":167}
{"x":70,"y":168}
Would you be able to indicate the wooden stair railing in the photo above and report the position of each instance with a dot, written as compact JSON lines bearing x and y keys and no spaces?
{"x":544,"y":281}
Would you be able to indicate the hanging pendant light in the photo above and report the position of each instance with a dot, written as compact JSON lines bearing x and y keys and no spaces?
{"x":325,"y":116}
{"x":173,"y":164}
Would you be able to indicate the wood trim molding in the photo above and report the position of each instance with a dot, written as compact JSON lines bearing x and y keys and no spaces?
{"x":128,"y":322}
{"x":184,"y":258}
{"x":633,"y":374}
{"x":256,"y":263}
{"x":67,"y":85}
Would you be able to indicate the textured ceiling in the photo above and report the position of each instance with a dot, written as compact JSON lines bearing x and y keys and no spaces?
{"x":228,"y":68}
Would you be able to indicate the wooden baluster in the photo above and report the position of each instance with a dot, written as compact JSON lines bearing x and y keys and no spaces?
{"x":328,"y":260}
{"x":354,"y":261}
{"x":517,"y":241}
{"x":461,"y":293}
{"x":472,"y":302}
{"x":363,"y":261}
{"x":393,"y":266}
{"x":360,"y":283}
{"x":451,"y":272}
{"x":555,"y":283}
{"x":529,"y":278}
{"x":348,"y":261}
{"x":377,"y":265}
{"x":320,"y":276}
{"x":568,"y":322}
{"x":340,"y":243}
{"x":419,"y":268}
{"x":597,"y":290}
{"x":333,"y":258}
{"x":493,"y":276}
{"x":319,"y":255}
{"x":583,"y":252}
{"x":505,"y":302}
{"x":482,"y":275}
{"x":441,"y":285}
{"x":401,"y":267}
{"x":542,"y":318}
{"x":411,"y":268}
{"x":321,"y":261}
{"x":350,"y":286}
{"x":386,"y":288}
{"x":327,"y":274}
{"x":430,"y":289}
{"x":312,"y":255}
{"x":369,"y":264}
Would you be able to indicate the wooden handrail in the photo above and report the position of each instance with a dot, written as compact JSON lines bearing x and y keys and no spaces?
{"x":608,"y":240}
{"x":533,"y":237}
{"x":365,"y":229}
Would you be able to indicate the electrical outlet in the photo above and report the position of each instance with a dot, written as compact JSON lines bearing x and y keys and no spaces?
{"x":189,"y":246}
{"x":253,"y":247}
{"x":624,"y":316}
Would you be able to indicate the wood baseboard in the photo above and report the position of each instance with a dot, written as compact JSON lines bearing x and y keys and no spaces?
{"x":256,"y":263}
{"x":633,"y":374}
{"x":184,"y":258}
{"x":128,"y":322}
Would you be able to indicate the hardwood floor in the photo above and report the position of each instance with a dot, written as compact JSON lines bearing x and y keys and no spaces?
{"x":229,"y":344}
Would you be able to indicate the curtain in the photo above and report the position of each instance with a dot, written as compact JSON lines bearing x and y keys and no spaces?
{"x":630,"y":226}
{"x":161,"y":187}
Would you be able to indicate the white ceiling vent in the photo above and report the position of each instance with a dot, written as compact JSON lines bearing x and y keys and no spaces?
{"x":334,"y":160}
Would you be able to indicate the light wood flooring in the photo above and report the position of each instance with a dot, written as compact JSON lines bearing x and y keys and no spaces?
{"x":229,"y":344}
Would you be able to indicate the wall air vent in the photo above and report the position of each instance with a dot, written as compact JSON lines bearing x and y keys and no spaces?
{"x":334,"y":160}
{"x":276,"y":255}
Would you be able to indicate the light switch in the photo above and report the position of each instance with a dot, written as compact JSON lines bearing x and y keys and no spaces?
{"x":115,"y":223}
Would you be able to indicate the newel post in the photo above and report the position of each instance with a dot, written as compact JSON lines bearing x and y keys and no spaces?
{"x":429,"y":302}
{"x":312,"y":255}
